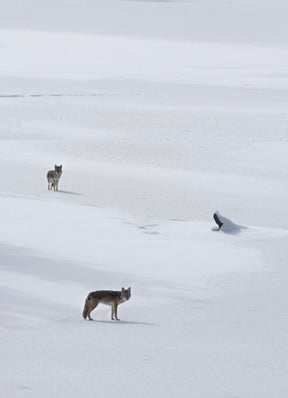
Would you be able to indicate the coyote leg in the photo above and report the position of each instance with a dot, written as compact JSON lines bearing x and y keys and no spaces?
{"x":91,"y":308}
{"x":115,"y":308}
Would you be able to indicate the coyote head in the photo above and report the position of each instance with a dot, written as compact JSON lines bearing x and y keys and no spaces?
{"x":125,"y":293}
{"x":58,"y":169}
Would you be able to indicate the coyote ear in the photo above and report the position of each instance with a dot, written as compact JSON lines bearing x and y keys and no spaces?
{"x":123,"y":289}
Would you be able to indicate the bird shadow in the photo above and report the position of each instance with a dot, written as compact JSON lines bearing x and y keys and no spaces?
{"x":229,"y":227}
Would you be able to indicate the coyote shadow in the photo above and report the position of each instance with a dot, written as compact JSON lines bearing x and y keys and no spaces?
{"x":70,"y":193}
{"x":124,"y":322}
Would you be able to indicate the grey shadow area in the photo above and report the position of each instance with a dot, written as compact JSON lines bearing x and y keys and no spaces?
{"x":177,"y":220}
{"x":51,"y":95}
{"x":13,"y":96}
{"x":21,"y":260}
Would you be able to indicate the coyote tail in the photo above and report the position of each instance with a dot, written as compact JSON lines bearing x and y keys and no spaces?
{"x":86,"y":308}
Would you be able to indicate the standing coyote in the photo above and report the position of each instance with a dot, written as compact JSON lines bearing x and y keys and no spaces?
{"x":108,"y":297}
{"x":53,"y":177}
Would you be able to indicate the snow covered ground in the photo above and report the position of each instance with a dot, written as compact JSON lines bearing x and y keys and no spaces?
{"x":161,"y":113}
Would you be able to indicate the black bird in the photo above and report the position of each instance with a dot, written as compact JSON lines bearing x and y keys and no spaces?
{"x":218,"y":222}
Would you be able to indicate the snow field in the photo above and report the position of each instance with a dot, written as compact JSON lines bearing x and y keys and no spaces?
{"x":161,"y":113}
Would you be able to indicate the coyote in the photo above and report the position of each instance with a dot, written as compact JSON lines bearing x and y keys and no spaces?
{"x":108,"y":297}
{"x":53,"y":177}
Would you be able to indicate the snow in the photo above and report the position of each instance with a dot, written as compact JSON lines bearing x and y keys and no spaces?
{"x":161,"y":113}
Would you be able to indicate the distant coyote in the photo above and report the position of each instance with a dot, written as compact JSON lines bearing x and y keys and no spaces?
{"x":53,"y":177}
{"x":108,"y":297}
